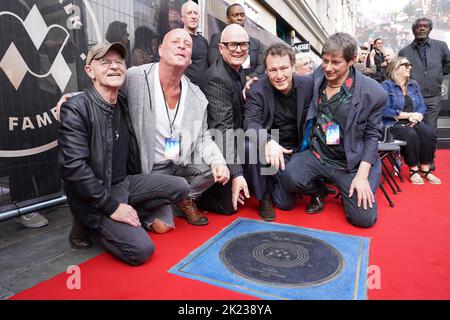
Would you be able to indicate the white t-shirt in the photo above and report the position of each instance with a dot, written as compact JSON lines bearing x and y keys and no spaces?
{"x":247,"y":63}
{"x":162,"y":121}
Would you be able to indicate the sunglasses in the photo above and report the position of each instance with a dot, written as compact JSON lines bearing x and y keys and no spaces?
{"x":406,"y":65}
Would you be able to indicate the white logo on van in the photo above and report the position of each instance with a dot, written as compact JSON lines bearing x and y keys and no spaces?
{"x":15,"y":66}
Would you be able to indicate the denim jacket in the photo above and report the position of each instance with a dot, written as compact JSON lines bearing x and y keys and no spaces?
{"x":396,"y":101}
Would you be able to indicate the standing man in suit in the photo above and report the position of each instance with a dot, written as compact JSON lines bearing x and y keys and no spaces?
{"x":342,"y":133}
{"x":222,"y":85}
{"x":190,"y":15}
{"x":431,"y":61}
{"x":253,"y":65}
{"x":278,"y":101}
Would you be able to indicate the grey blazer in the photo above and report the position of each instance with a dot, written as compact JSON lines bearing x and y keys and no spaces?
{"x":197,"y":147}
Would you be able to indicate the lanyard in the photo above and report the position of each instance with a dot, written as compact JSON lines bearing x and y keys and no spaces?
{"x":171,"y":123}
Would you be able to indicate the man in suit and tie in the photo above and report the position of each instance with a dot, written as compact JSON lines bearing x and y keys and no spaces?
{"x":253,"y":65}
{"x":222,"y":86}
{"x":277,"y":101}
{"x":343,"y":127}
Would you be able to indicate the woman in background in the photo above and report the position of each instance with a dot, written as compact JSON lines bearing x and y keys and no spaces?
{"x":142,"y":51}
{"x":404,"y":110}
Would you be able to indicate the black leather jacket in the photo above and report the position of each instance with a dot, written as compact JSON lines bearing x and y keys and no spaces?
{"x":85,"y":155}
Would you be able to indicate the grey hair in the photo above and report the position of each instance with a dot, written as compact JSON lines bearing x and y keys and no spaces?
{"x":427,"y":20}
{"x":341,"y":42}
{"x":301,"y":57}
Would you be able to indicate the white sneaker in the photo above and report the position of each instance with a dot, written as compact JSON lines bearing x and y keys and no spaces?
{"x":32,"y":220}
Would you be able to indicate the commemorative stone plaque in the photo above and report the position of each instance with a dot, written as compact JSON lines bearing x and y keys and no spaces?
{"x":282,"y":259}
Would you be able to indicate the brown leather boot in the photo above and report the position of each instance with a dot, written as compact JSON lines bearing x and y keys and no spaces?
{"x":191,"y":213}
{"x":79,"y":238}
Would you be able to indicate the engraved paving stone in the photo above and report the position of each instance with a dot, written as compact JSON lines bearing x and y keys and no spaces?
{"x":282,"y":259}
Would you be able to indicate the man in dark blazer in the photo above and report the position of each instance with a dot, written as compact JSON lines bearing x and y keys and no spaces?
{"x":342,"y":132}
{"x":222,"y":86}
{"x":254,"y":65}
{"x":277,"y":101}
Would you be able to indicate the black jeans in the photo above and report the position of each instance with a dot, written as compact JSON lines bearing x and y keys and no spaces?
{"x":433,"y":108}
{"x":421,"y":143}
{"x":303,"y":171}
{"x":144,"y":193}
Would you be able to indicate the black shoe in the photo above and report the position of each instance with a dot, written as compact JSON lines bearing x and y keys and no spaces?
{"x":330,"y":190}
{"x":266,"y":211}
{"x":79,"y":238}
{"x":316,"y":204}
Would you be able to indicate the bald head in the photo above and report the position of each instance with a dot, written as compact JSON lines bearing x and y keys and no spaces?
{"x":234,"y":45}
{"x":175,"y":33}
{"x":234,"y":33}
{"x":190,"y":15}
{"x":176,"y":48}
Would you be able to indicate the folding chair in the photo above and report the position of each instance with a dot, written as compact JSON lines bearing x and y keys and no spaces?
{"x":387,"y":151}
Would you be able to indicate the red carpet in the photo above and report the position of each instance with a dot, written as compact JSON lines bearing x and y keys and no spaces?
{"x":410,"y":245}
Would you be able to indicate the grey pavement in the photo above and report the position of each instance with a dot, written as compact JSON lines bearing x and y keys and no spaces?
{"x":30,"y":256}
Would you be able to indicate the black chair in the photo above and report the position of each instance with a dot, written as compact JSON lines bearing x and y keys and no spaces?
{"x":395,"y":159}
{"x":387,"y":150}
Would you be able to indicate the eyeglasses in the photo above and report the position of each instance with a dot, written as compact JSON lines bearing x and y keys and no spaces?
{"x":107,"y":63}
{"x":407,"y":65}
{"x":232,"y":46}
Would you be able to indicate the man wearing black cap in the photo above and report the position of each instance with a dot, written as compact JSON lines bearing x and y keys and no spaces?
{"x":100,"y":164}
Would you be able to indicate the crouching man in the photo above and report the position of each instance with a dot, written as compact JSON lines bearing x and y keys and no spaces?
{"x":278,"y":101}
{"x":342,"y":132}
{"x":99,"y":162}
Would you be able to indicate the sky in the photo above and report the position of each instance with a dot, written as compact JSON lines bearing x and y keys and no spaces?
{"x":382,"y":5}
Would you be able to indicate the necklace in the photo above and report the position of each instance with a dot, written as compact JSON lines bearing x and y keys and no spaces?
{"x":333,"y":87}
